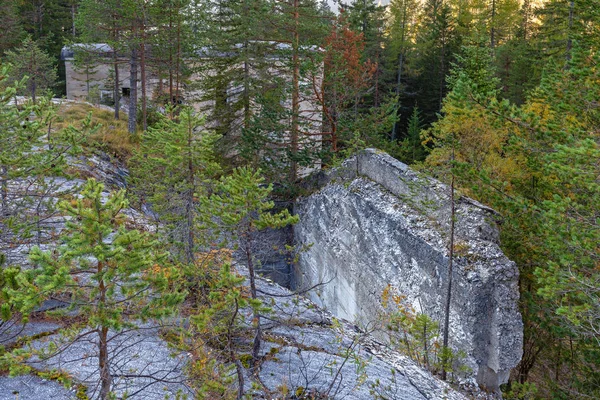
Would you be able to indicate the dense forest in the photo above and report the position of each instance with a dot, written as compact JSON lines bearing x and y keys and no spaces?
{"x":500,"y":97}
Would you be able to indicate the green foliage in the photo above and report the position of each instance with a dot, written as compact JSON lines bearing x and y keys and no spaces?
{"x":418,"y":336}
{"x":114,"y":276}
{"x":534,"y":163}
{"x":171,"y":169}
{"x":30,"y":63}
{"x":216,"y":328}
{"x":126,"y":263}
{"x":26,"y":129}
{"x":411,"y":149}
{"x":241,"y":203}
{"x":521,"y":391}
{"x":12,"y":32}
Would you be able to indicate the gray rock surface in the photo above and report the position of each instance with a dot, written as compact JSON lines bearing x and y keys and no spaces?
{"x":143,"y":366}
{"x":375,"y":222}
{"x":30,"y":196}
{"x":306,"y":347}
{"x":32,"y":388}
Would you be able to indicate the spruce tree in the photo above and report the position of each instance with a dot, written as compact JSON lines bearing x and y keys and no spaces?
{"x":436,"y":45}
{"x":12,"y":29}
{"x":402,"y":24}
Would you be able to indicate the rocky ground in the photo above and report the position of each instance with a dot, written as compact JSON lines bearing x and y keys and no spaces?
{"x":306,"y":349}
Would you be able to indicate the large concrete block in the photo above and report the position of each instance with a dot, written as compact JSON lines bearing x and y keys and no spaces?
{"x":375,"y":222}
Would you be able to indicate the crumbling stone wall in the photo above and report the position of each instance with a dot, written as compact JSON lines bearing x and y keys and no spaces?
{"x":375,"y":222}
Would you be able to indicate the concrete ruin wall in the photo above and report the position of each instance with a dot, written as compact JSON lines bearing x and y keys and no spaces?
{"x":375,"y":222}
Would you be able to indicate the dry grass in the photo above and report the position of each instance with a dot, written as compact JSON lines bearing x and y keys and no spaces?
{"x":111,"y":136}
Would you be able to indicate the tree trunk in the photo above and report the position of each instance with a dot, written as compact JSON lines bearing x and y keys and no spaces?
{"x":117,"y":93}
{"x":442,"y":68}
{"x":450,"y":267}
{"x":189,"y":208}
{"x":144,"y":99}
{"x":493,"y":27}
{"x":103,"y":359}
{"x":232,"y":356}
{"x":570,"y":38}
{"x":171,"y":94}
{"x":295,"y":94}
{"x":256,"y":316}
{"x":133,"y":70}
{"x":400,"y":64}
{"x":4,"y":190}
{"x":73,"y":32}
{"x":105,"y":378}
{"x":33,"y":89}
{"x":178,"y":62}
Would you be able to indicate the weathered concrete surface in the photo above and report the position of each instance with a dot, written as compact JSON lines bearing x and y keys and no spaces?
{"x":375,"y":222}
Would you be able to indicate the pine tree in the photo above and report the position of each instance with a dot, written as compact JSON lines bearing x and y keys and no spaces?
{"x":242,"y":207}
{"x":113,"y":276}
{"x":107,"y":21}
{"x":30,"y":62}
{"x":402,"y":30}
{"x":233,"y":60}
{"x":171,"y":48}
{"x":172,"y":167}
{"x":86,"y":62}
{"x":27,"y":183}
{"x":220,"y":323}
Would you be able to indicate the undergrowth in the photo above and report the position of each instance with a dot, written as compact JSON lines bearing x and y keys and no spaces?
{"x":111,"y":137}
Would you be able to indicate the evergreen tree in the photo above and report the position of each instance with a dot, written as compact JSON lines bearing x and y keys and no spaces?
{"x":114,"y":23}
{"x":86,"y":62}
{"x":242,"y":208}
{"x":30,"y":62}
{"x":220,"y":323}
{"x":566,"y":21}
{"x":27,"y":183}
{"x":412,"y":148}
{"x":367,"y":17}
{"x":534,"y":164}
{"x":173,"y":166}
{"x":233,"y":55}
{"x":114,"y":276}
{"x":12,"y":29}
{"x":436,"y":45}
{"x":346,"y":78}
{"x":48,"y":22}
{"x":402,"y":25}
